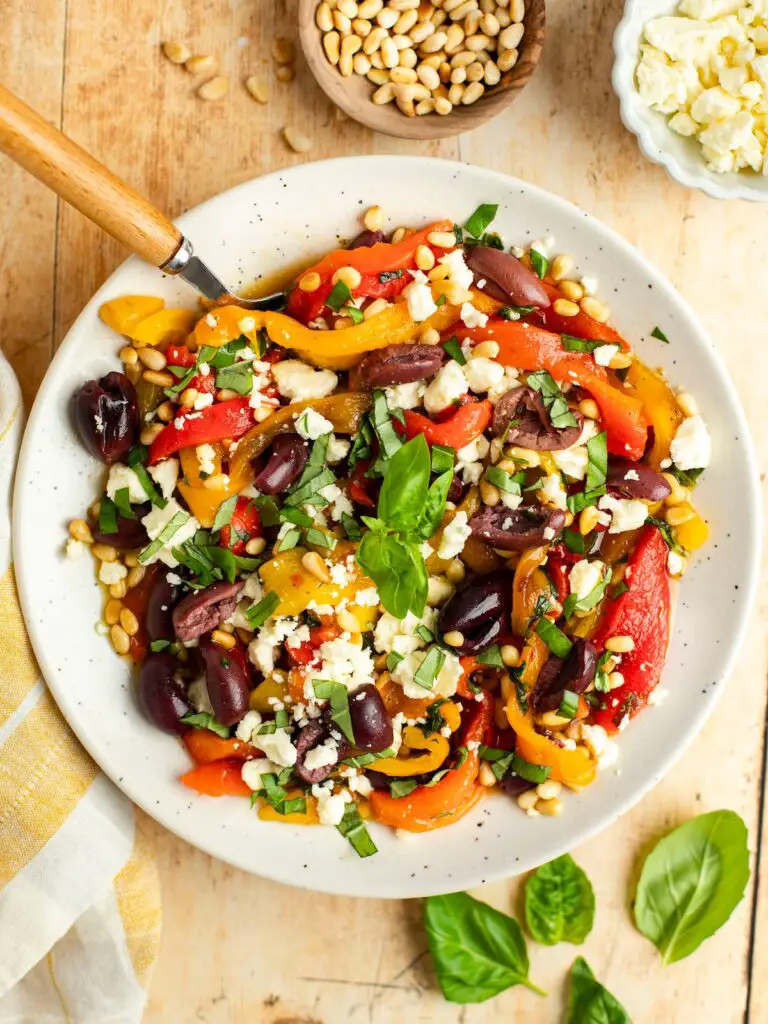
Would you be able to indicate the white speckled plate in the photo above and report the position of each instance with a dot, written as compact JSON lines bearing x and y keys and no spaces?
{"x":252,"y":230}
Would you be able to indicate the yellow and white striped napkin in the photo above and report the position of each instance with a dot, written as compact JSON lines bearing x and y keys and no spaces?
{"x":79,"y":892}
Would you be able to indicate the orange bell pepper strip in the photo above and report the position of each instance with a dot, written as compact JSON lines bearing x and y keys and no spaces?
{"x":430,"y":807}
{"x":217,"y":778}
{"x":467,"y":423}
{"x":533,"y":348}
{"x":579,"y":326}
{"x":661,"y":408}
{"x":230,"y":419}
{"x":205,"y":746}
{"x":574,"y":768}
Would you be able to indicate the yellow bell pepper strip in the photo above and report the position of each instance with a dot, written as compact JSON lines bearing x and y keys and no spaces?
{"x":230,"y":419}
{"x":286,"y":576}
{"x":396,"y":702}
{"x":529,"y":584}
{"x":660,"y":406}
{"x":190,"y":464}
{"x":269,"y":689}
{"x":226,"y":323}
{"x":345,"y":411}
{"x":693,"y":533}
{"x":430,"y":807}
{"x":123,"y":314}
{"x":163,"y":326}
{"x":532,"y":348}
{"x":436,"y":749}
{"x":574,"y":768}
{"x":308,"y":817}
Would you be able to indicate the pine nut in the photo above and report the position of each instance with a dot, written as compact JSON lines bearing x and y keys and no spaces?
{"x":152,"y":358}
{"x":255,"y":546}
{"x":350,"y":45}
{"x":588,"y":520}
{"x":510,"y":655}
{"x":188,"y":397}
{"x":377,"y":306}
{"x":517,"y":10}
{"x":564,"y":307}
{"x":112,"y":612}
{"x":387,"y":18}
{"x":679,"y":514}
{"x":94,"y":509}
{"x":421,"y":31}
{"x":257,"y":88}
{"x":620,"y":644}
{"x":104,"y":552}
{"x":360,"y":65}
{"x":80,"y":530}
{"x":549,"y":790}
{"x":361,"y":27}
{"x":349,"y":276}
{"x":526,"y":801}
{"x":425,"y":107}
{"x":163,"y":380}
{"x":463,"y":59}
{"x":472,"y":93}
{"x":466,"y":10}
{"x":314,"y":564}
{"x":477,"y":42}
{"x":135,"y":575}
{"x":429,"y":336}
{"x":687,"y":403}
{"x":369,"y":8}
{"x":485,"y":350}
{"x":509,"y":38}
{"x":377,"y":77}
{"x":475,"y":72}
{"x":425,"y":259}
{"x":455,"y":571}
{"x":560,"y":267}
{"x":216,"y":482}
{"x":489,"y":24}
{"x":165,"y":412}
{"x":455,"y":95}
{"x":492,"y":74}
{"x":347,"y":621}
{"x":225,"y":640}
{"x":128,"y":355}
{"x":489,"y":493}
{"x":443,"y":106}
{"x":403,"y":76}
{"x":176,"y":52}
{"x":201,"y":64}
{"x":283,"y":49}
{"x":405,"y":22}
{"x":408,"y":58}
{"x":507,"y":60}
{"x":571,"y":290}
{"x":332,"y":46}
{"x":678,"y":494}
{"x":454,"y":39}
{"x":453,"y":638}
{"x":444,"y":72}
{"x":550,"y":808}
{"x":399,"y":234}
{"x":615,"y":680}
{"x":442,"y":239}
{"x":309,"y":282}
{"x":298,"y":141}
{"x":150,"y":432}
{"x":434,"y":42}
{"x":551,"y":720}
{"x":120,"y":639}
{"x":129,"y":622}
{"x":621,"y":361}
{"x":404,"y":5}
{"x":285,"y":73}
{"x":527,"y":456}
{"x":324,"y":17}
{"x":596,"y":309}
{"x":502,"y":14}
{"x":389,"y":53}
{"x":342,"y":23}
{"x":118,"y":590}
{"x":588,"y":407}
{"x":486,"y":776}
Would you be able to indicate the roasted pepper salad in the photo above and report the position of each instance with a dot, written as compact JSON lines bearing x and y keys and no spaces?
{"x":405,"y":541}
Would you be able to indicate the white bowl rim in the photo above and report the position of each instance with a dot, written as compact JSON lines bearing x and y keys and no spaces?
{"x":730,"y":186}
{"x":750,"y":505}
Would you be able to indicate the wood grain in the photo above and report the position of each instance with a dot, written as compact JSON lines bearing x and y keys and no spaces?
{"x":237,"y":948}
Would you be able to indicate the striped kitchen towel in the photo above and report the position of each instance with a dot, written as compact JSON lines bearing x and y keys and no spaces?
{"x":79,"y":893}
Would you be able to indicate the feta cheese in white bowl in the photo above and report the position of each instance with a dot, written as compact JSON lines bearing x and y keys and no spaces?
{"x":689,"y":80}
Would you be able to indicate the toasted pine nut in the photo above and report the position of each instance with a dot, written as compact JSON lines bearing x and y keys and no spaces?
{"x":257,"y":88}
{"x":492,"y":74}
{"x":443,"y":106}
{"x":298,"y":141}
{"x":118,"y":590}
{"x":434,"y":42}
{"x":507,"y":60}
{"x":332,"y":46}
{"x":551,"y":808}
{"x":223,"y":639}
{"x":527,"y":800}
{"x":225,"y":394}
{"x":596,"y":309}
{"x":489,"y":493}
{"x":486,"y":776}
{"x":255,"y":546}
{"x":129,"y":355}
{"x":485,"y":350}
{"x":309,"y":282}
{"x":188,"y":397}
{"x":399,"y":234}
{"x":165,"y":412}
{"x":120,"y":639}
{"x":374,"y":219}
{"x":104,"y":552}
{"x":620,"y":361}
{"x":571,"y":290}
{"x":176,"y":52}
{"x":509,"y":38}
{"x":588,"y":520}
{"x":455,"y":95}
{"x":517,"y":10}
{"x":152,"y":358}
{"x":429,"y":336}
{"x":377,"y":306}
{"x":472,"y":93}
{"x":564,"y":307}
{"x":588,"y":407}
{"x":560,"y":266}
{"x":323,"y":17}
{"x":201,"y":64}
{"x":453,"y":638}
{"x":80,"y":530}
{"x":425,"y":259}
{"x":283,"y":49}
{"x":474,"y":72}
{"x":620,"y":644}
{"x":129,"y":622}
{"x":442,"y":239}
{"x":150,"y":432}
{"x":315,"y":565}
{"x":162,"y":379}
{"x":135,"y":575}
{"x":112,"y":612}
{"x":687,"y":403}
{"x":384,"y":94}
{"x":349,"y":276}
{"x":549,"y":790}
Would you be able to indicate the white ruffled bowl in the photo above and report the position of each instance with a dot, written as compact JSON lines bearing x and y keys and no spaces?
{"x":681,"y":157}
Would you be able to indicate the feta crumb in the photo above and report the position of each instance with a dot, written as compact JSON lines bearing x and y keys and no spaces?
{"x":338,"y":449}
{"x":472,"y":317}
{"x":278,"y":747}
{"x":165,"y":474}
{"x":112,"y":572}
{"x":483,"y":374}
{"x":445,"y":684}
{"x":584,"y":577}
{"x":626,"y":514}
{"x":421,"y":304}
{"x":206,"y":456}
{"x":75,"y":548}
{"x":299,"y":382}
{"x":310,"y":425}
{"x":455,"y":536}
{"x":119,"y":478}
{"x":691,"y":446}
{"x":250,"y":721}
{"x":447,"y":387}
{"x":405,"y":396}
{"x":252,"y":771}
{"x":459,"y":273}
{"x":202,"y":402}
{"x":603,"y":354}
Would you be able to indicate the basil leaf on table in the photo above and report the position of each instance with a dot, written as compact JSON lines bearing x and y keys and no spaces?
{"x":559,"y":903}
{"x":591,"y":1002}
{"x":691,"y":882}
{"x":404,"y":490}
{"x":478,"y":952}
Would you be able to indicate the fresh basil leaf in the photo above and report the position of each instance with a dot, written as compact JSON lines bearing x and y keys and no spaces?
{"x":691,"y":882}
{"x":258,"y":613}
{"x":453,"y":348}
{"x":289,"y":539}
{"x":320,"y":539}
{"x":434,"y":506}
{"x":426,"y":634}
{"x":404,"y":490}
{"x":338,"y":695}
{"x":308,"y":493}
{"x":481,"y":219}
{"x":621,"y":588}
{"x":340,"y":296}
{"x":510,"y":483}
{"x":123,"y":503}
{"x":205,"y":720}
{"x":569,"y":704}
{"x":571,"y":344}
{"x":539,"y":262}
{"x":575,"y":542}
{"x":442,"y":459}
{"x":351,"y":528}
{"x":296,"y":516}
{"x":554,"y":638}
{"x":687,"y":477}
{"x":137,"y":458}
{"x":361,"y":445}
{"x":491,"y":656}
{"x":397,"y":568}
{"x":559,"y":903}
{"x":554,"y":399}
{"x":237,"y":377}
{"x":224,"y":513}
{"x":658,"y":333}
{"x":515,"y":312}
{"x":269,"y":512}
{"x":225,"y":355}
{"x":393,"y":660}
{"x":582,"y":500}
{"x":381,"y":419}
{"x":399,"y":788}
{"x":477,"y":951}
{"x":353,"y":829}
{"x":430,"y":668}
{"x":354,"y":314}
{"x":536,"y":773}
{"x":107,"y":516}
{"x":597,"y":461}
{"x":602,"y":684}
{"x":590,"y":1002}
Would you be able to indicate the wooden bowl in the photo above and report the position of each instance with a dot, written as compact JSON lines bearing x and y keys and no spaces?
{"x":353,"y":94}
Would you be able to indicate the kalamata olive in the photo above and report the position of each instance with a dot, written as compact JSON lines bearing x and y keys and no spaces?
{"x":226,"y":677}
{"x":573,"y":673}
{"x":311,"y":736}
{"x":381,"y":781}
{"x":477,"y":611}
{"x":636,"y":481}
{"x":204,"y":610}
{"x":130,"y":532}
{"x":513,"y":785}
{"x":287,"y":458}
{"x":161,"y":696}
{"x":400,"y":364}
{"x":106,"y":415}
{"x":456,"y":490}
{"x":505,"y":277}
{"x":371,"y":725}
{"x":520,"y":416}
{"x":366,"y":239}
{"x":516,"y":529}
{"x":160,"y":604}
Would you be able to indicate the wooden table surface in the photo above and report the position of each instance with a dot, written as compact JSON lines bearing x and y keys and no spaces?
{"x":236,"y":947}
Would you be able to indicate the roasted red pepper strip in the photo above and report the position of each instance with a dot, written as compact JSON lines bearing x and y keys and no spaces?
{"x":382,"y":258}
{"x":579,"y":326}
{"x":559,"y":563}
{"x":429,"y":807}
{"x":642,"y":612}
{"x":359,"y":484}
{"x":246,"y":523}
{"x":532,"y":348}
{"x":180,"y":355}
{"x":464,"y":426}
{"x":205,"y":747}
{"x":230,"y":419}
{"x":217,"y":778}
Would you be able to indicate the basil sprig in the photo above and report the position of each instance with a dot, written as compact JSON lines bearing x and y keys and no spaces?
{"x":559,"y":903}
{"x":591,"y":1002}
{"x":409,"y":511}
{"x":478,"y":952}
{"x":691,"y":882}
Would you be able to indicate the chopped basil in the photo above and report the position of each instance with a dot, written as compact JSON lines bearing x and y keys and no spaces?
{"x":273,"y":792}
{"x":137,"y":458}
{"x":573,"y":603}
{"x":238,"y":377}
{"x":393,"y":660}
{"x":107,"y":516}
{"x":666,"y":532}
{"x":382,"y":425}
{"x":354,"y":314}
{"x":258,"y":614}
{"x":536,"y":773}
{"x":123,"y":502}
{"x":500,"y":760}
{"x":224,"y":513}
{"x":205,"y":355}
{"x":458,"y":234}
{"x":597,"y":461}
{"x":308,"y":493}
{"x":516,"y":675}
{"x":435,"y":720}
{"x":164,"y":645}
{"x":225,"y":354}
{"x":168,"y":531}
{"x":401,"y":787}
{"x":507,"y":482}
{"x":320,"y":539}
{"x":571,"y":344}
{"x":575,"y":542}
{"x":340,"y":296}
{"x":658,"y":333}
{"x":430,"y":668}
{"x":601,"y":676}
{"x":442,"y":458}
{"x":621,"y":588}
{"x":364,"y":760}
{"x":569,"y":704}
{"x":338,"y":695}
{"x":687,"y":477}
{"x":390,"y":275}
{"x":205,"y":720}
{"x":269,"y":513}
{"x":515,"y":312}
{"x":481,"y":219}
{"x":351,"y":528}
{"x":289,"y":539}
{"x":453,"y":348}
{"x":295,"y":516}
{"x":554,"y":399}
{"x":361,"y":446}
{"x":426,"y":634}
{"x":353,"y":828}
{"x":554,"y":638}
{"x":491,"y":656}
{"x":440,"y":300}
{"x":539,"y":263}
{"x":582,"y":500}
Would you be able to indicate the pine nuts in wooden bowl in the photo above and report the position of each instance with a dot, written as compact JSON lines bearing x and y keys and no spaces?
{"x":422,"y":69}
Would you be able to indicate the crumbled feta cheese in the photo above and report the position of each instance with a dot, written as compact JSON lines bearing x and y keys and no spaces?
{"x":421,"y":304}
{"x":584,"y":577}
{"x":165,"y":474}
{"x":399,"y":635}
{"x":552,"y":492}
{"x":691,"y":446}
{"x":447,"y":387}
{"x":344,"y":662}
{"x":310,"y":425}
{"x":405,"y":396}
{"x":206,"y":456}
{"x":360,"y":784}
{"x":252,"y":771}
{"x":299,"y":382}
{"x":439,"y":589}
{"x":264,"y":646}
{"x":657,"y":696}
{"x":445,"y":684}
{"x":323,"y":755}
{"x":604,"y":750}
{"x":330,"y":806}
{"x":675,"y":563}
{"x":603,"y":354}
{"x":472,"y":317}
{"x":202,"y":402}
{"x":368,"y":598}
{"x":251,"y":720}
{"x":626,"y":513}
{"x":112,"y":572}
{"x":459,"y":273}
{"x":75,"y":548}
{"x":119,"y":478}
{"x":339,"y":503}
{"x":278,"y":747}
{"x":483,"y":374}
{"x":590,"y":284}
{"x":156,"y":521}
{"x":338,"y":449}
{"x":455,"y":536}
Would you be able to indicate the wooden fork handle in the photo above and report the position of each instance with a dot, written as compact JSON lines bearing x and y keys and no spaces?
{"x":76,"y":176}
